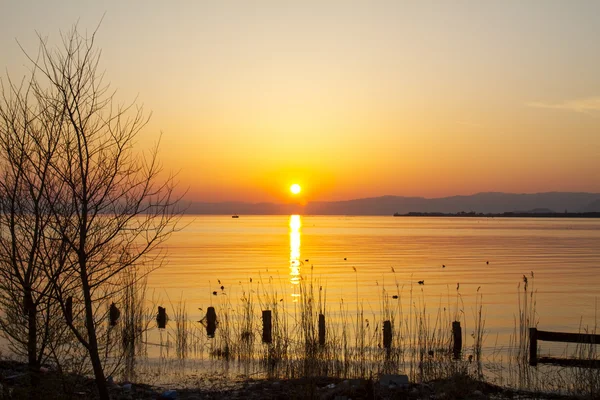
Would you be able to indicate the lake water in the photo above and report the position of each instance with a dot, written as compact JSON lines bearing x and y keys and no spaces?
{"x":354,"y":258}
{"x":374,"y":264}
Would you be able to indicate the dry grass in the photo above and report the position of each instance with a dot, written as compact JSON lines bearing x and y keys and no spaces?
{"x":422,"y":340}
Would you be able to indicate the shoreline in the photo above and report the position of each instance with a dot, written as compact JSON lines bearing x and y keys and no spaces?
{"x":473,"y":214}
{"x":15,"y":384}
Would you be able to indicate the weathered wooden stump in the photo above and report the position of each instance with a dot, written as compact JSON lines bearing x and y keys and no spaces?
{"x":321,"y":330}
{"x":69,"y":310}
{"x":267,"y":334}
{"x":211,"y":322}
{"x":457,"y":335}
{"x":114,"y":314}
{"x":161,"y":317}
{"x":387,"y":335}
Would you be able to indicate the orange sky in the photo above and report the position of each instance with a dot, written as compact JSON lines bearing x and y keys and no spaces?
{"x":350,"y":99}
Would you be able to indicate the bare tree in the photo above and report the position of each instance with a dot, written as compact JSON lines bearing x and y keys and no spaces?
{"x":29,"y":135}
{"x":106,"y":208}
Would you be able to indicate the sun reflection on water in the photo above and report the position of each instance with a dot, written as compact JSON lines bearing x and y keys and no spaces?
{"x":295,"y":225}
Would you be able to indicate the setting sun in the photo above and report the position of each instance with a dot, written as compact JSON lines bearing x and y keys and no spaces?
{"x":295,"y":188}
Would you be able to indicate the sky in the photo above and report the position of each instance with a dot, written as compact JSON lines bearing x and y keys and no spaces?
{"x":349,"y":99}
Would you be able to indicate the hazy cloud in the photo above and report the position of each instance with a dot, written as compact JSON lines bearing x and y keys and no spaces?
{"x":584,"y":105}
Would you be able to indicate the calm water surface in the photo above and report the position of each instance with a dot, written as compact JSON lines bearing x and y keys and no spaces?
{"x":354,"y":258}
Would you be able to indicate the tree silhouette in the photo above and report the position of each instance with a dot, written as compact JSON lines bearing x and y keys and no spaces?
{"x":106,"y":209}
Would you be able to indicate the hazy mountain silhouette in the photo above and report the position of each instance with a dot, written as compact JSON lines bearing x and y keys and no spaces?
{"x":594,"y":206}
{"x":491,"y":202}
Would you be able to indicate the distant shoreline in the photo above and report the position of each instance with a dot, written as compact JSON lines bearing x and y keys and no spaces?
{"x":491,"y":203}
{"x":502,"y":215}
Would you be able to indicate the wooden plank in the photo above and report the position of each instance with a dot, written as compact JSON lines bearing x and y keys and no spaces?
{"x":568,"y":337}
{"x":569,"y":362}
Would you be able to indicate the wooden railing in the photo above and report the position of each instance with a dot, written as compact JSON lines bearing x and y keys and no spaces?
{"x":584,"y":338}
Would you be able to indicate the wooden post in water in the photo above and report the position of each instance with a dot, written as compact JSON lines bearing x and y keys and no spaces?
{"x":387,"y":335}
{"x":161,"y":318}
{"x":457,"y":335}
{"x":321,"y":330}
{"x":113,"y":314}
{"x":267,"y":336}
{"x":211,"y":322}
{"x":69,"y":310}
{"x":533,"y":346}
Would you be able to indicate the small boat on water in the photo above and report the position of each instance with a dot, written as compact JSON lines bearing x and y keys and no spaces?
{"x":235,"y":216}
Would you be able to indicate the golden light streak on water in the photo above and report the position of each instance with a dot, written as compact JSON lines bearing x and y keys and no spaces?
{"x":295,"y":225}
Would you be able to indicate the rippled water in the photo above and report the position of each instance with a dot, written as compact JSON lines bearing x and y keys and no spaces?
{"x":361,"y":262}
{"x":355,"y":257}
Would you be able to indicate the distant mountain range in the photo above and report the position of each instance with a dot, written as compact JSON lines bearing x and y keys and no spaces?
{"x":491,"y":202}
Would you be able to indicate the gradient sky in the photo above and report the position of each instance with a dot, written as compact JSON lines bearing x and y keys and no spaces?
{"x":349,"y":99}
